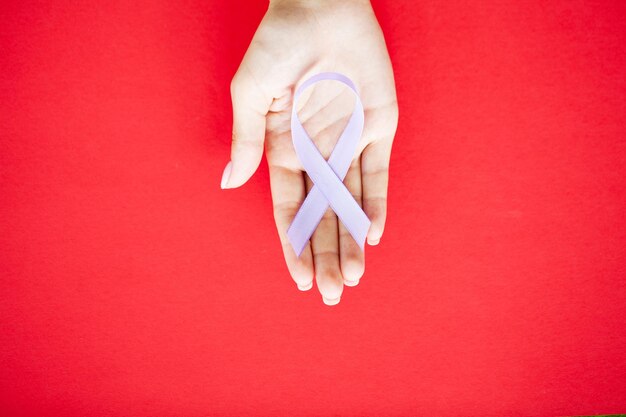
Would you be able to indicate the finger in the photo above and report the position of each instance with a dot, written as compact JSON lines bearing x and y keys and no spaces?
{"x":351,"y":257}
{"x":287,"y":188}
{"x":250,"y":107}
{"x":375,"y":177}
{"x":325,"y":247}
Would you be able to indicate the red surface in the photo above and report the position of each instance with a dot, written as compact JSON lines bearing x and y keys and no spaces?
{"x":131,"y":286}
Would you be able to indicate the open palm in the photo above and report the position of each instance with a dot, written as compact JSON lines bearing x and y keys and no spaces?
{"x":296,"y":40}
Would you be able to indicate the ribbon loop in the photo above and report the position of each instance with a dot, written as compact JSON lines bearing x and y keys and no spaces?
{"x":327,"y":176}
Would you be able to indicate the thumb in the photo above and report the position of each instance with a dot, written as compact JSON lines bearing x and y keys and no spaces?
{"x":250,"y":107}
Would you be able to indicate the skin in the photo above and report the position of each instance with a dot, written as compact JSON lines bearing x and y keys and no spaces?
{"x":297,"y":39}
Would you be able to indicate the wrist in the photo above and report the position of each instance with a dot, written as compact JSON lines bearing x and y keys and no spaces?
{"x":315,"y":3}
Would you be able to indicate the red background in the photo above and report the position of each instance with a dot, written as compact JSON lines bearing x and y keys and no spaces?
{"x":133,"y":286}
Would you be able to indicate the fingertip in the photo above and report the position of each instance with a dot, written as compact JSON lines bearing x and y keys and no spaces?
{"x":376,"y":210}
{"x":350,"y":283}
{"x":226,"y":175}
{"x":376,"y":230}
{"x":302,"y":274}
{"x":236,"y":174}
{"x":245,"y":156}
{"x":330,"y":286}
{"x":352,"y":267}
{"x":331,"y":301}
{"x":301,"y":269}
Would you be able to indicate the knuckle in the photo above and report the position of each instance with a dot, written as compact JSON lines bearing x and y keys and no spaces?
{"x":241,"y":141}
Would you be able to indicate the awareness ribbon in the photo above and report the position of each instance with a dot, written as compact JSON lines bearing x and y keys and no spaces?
{"x":327,"y":176}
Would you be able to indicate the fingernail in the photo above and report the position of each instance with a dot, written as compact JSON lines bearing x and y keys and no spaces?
{"x":226,"y":174}
{"x":373,"y":242}
{"x":331,"y":302}
{"x":351,"y":283}
{"x":306,"y":287}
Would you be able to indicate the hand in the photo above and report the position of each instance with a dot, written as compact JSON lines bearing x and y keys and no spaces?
{"x":295,"y":40}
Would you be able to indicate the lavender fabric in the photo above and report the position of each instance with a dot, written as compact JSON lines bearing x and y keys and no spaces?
{"x":327,"y":176}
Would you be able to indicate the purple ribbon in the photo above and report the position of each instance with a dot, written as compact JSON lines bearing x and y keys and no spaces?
{"x":327,"y":176}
